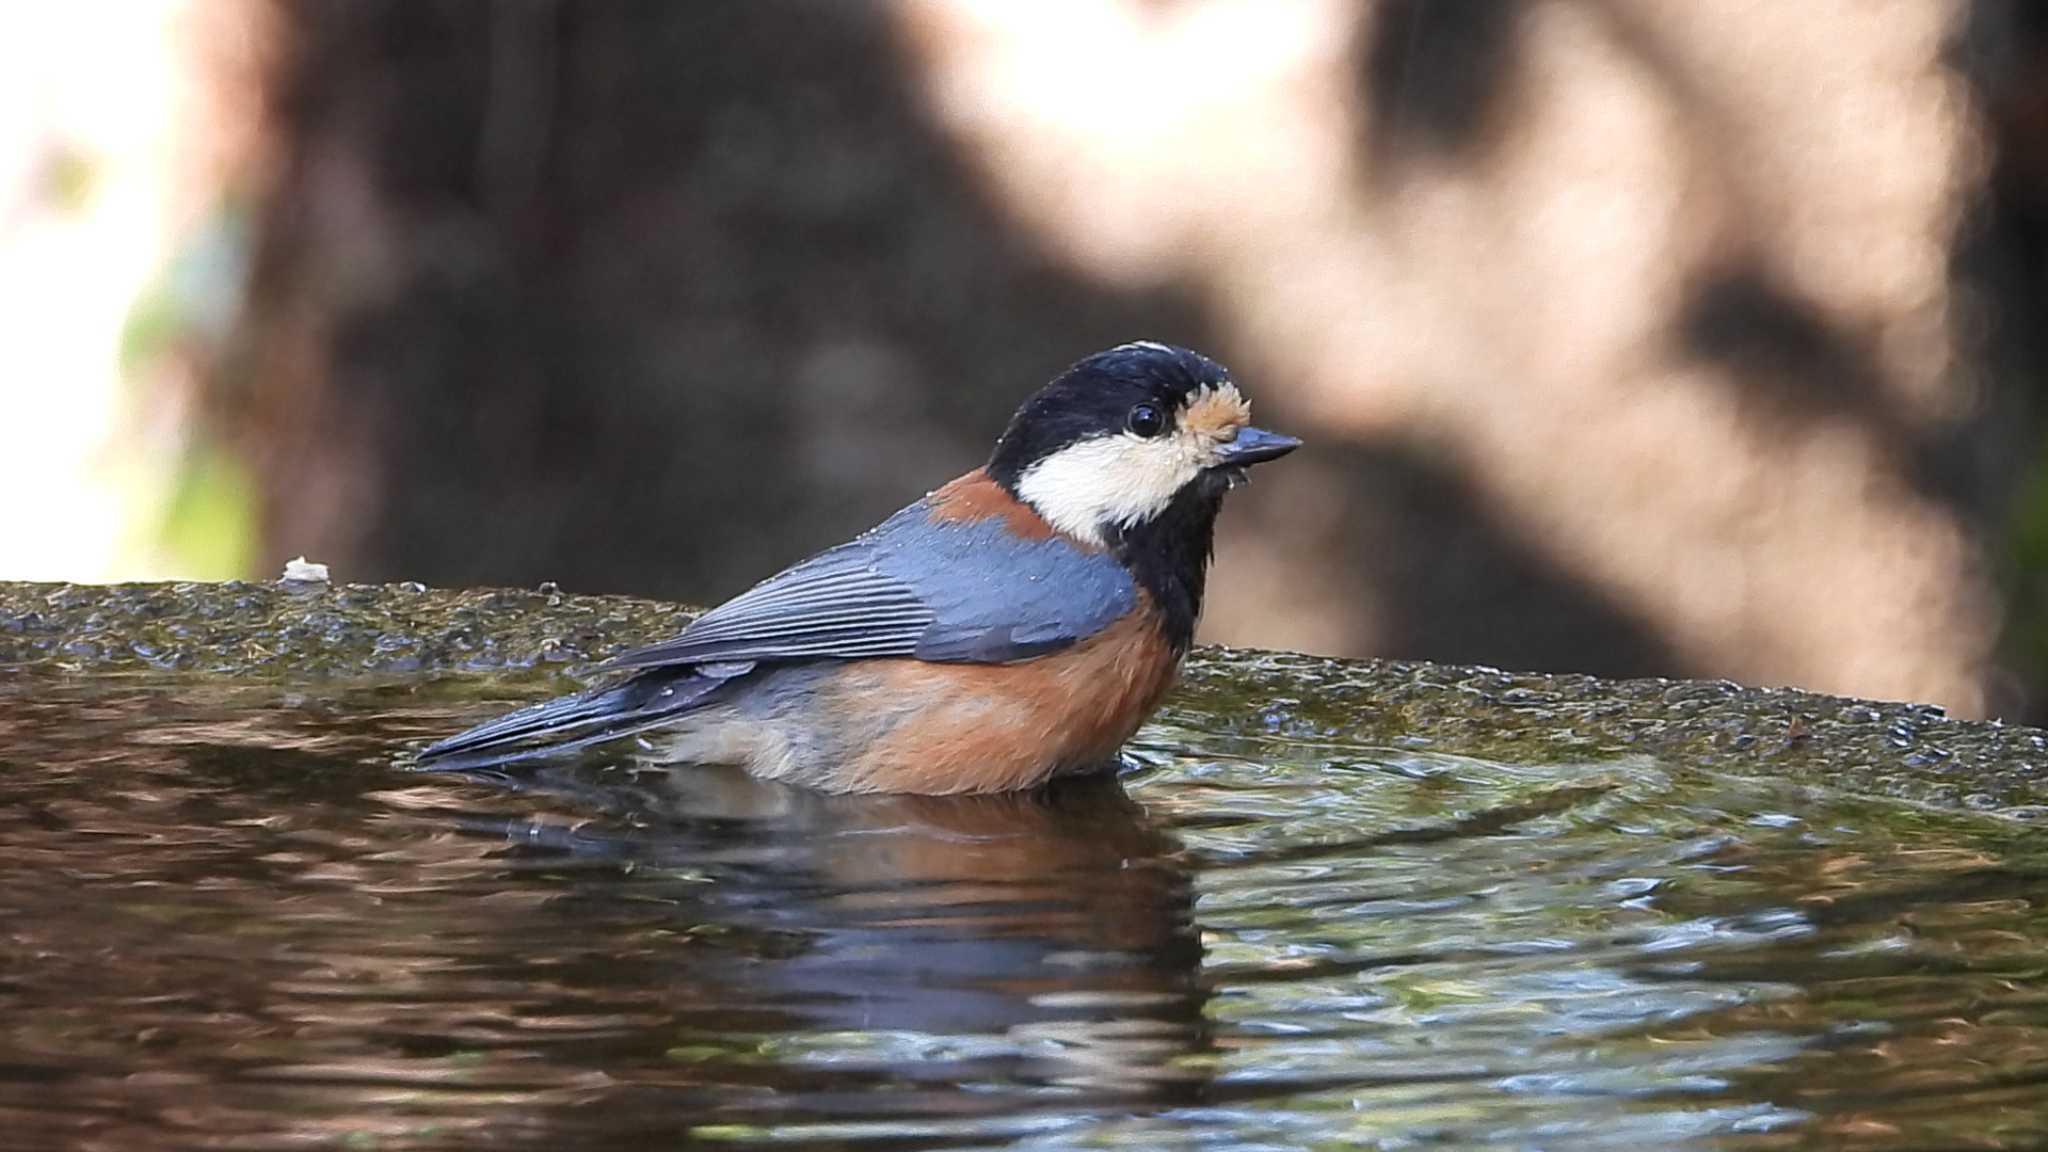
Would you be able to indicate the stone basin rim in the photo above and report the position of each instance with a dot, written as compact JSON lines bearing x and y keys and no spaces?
{"x":300,"y":631}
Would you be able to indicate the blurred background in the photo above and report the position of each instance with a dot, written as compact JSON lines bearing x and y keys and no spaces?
{"x":1638,"y":337}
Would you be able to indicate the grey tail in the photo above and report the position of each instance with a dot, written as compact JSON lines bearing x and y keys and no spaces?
{"x":568,"y":723}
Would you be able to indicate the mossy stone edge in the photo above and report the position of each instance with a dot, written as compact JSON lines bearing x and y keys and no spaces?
{"x":380,"y":632}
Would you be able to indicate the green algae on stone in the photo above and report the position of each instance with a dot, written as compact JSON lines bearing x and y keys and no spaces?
{"x":1909,"y":751}
{"x":271,"y":631}
{"x":1269,"y":700}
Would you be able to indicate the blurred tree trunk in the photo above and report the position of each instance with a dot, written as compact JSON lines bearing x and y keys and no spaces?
{"x":635,"y":297}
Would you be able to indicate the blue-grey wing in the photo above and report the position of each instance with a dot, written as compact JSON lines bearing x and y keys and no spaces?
{"x":964,"y":591}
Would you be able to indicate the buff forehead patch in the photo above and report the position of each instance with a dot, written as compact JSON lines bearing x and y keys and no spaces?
{"x":1216,"y":412}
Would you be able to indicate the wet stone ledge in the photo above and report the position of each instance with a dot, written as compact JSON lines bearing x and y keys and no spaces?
{"x":315,"y":631}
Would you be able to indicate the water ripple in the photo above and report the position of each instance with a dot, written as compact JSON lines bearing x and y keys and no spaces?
{"x":232,"y":921}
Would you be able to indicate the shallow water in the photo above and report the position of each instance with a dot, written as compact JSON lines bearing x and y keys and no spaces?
{"x":231,"y":920}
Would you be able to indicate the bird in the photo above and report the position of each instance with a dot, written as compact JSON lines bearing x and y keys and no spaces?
{"x":1015,"y":625}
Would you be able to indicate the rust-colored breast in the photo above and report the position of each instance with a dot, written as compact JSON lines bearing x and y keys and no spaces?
{"x":998,"y":728}
{"x":976,"y":496}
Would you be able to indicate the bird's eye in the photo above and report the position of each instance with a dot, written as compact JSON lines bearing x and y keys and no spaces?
{"x":1146,"y":421}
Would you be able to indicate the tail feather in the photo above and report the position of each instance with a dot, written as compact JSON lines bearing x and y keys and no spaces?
{"x":568,"y":723}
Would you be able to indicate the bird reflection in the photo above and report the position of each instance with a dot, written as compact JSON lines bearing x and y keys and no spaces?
{"x":1046,"y":937}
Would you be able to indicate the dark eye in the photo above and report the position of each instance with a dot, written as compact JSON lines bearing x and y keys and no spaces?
{"x":1147,"y":421}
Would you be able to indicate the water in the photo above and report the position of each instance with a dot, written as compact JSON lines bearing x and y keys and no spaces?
{"x":231,"y":921}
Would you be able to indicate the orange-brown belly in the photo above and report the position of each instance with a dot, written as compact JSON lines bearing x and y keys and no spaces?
{"x":951,"y":728}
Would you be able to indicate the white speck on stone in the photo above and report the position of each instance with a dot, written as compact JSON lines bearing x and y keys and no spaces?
{"x":299,"y":570}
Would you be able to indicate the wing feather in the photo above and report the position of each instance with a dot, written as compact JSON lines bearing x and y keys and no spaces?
{"x":965,"y":591}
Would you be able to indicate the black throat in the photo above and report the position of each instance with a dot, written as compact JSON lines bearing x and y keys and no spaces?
{"x":1169,"y":554}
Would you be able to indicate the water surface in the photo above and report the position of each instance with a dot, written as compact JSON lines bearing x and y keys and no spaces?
{"x":232,"y":920}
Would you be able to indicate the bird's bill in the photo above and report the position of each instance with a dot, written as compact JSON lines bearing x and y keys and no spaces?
{"x":1254,"y":446}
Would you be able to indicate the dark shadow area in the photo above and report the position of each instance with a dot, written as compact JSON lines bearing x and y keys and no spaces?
{"x":1463,"y":590}
{"x":1437,"y":78}
{"x":1793,"y":365}
{"x":635,"y":298}
{"x":1794,"y":371}
{"x":2001,"y":258}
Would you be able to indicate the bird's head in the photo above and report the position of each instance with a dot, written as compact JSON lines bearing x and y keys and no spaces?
{"x":1124,"y":436}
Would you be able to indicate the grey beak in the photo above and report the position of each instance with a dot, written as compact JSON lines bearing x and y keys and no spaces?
{"x":1255,"y":446}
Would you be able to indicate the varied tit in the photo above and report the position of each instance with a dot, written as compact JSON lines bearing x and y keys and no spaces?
{"x":1013,"y":626}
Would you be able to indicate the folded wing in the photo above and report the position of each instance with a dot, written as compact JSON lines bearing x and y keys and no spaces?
{"x":941,"y":590}
{"x":964,"y":591}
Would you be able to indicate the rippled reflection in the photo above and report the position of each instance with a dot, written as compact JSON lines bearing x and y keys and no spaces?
{"x":231,"y":921}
